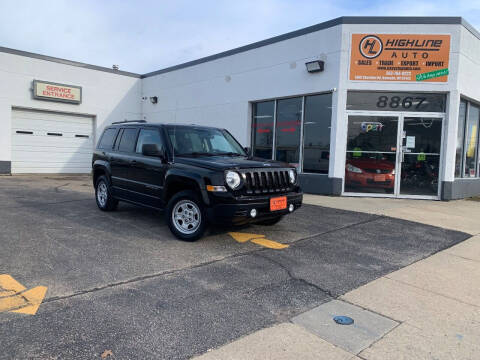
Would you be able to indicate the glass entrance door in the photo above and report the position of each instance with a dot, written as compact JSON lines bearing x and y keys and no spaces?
{"x":371,"y":154}
{"x":420,"y":155}
{"x":394,"y":155}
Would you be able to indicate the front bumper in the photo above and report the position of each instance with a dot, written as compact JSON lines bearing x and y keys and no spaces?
{"x":237,"y":212}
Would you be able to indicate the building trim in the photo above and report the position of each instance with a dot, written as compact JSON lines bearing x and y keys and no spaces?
{"x":67,"y":62}
{"x":460,"y":188}
{"x":320,"y":184}
{"x":350,"y":20}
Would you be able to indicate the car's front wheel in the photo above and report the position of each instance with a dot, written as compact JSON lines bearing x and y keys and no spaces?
{"x":103,"y":195}
{"x":185,"y":216}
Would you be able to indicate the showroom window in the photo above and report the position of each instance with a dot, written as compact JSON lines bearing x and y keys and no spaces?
{"x":263,"y":116}
{"x":316,"y":133}
{"x":294,"y":130}
{"x":287,"y":130}
{"x":466,"y":164}
{"x":460,"y":136}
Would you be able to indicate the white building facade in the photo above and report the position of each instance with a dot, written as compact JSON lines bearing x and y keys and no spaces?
{"x":385,"y":107}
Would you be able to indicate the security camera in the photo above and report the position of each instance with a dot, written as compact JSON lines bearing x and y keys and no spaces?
{"x":153,"y":99}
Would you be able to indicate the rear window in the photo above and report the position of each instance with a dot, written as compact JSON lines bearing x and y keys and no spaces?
{"x":128,"y":140}
{"x":106,"y":142}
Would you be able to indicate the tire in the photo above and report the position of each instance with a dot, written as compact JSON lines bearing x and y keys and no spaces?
{"x":103,"y":195}
{"x":270,"y":222}
{"x":189,"y":225}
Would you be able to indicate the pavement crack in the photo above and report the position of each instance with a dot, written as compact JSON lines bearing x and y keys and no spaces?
{"x":294,"y":277}
{"x":377,"y":340}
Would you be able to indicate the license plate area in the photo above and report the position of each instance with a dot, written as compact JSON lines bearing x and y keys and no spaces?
{"x":278,"y":203}
{"x":379,"y":178}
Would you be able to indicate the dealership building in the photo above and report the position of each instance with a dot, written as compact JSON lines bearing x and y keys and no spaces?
{"x":376,"y":106}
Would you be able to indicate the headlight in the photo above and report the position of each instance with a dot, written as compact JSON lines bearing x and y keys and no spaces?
{"x":353,"y":169}
{"x":232,"y":179}
{"x":292,"y":175}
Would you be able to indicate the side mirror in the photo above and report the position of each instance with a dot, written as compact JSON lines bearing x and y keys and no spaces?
{"x":153,"y":150}
{"x":247,"y":150}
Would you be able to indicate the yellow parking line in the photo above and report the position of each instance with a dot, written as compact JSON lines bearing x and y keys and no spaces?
{"x":15,"y":298}
{"x":269,"y":243}
{"x":34,"y":297}
{"x":244,"y":237}
{"x":258,"y":239}
{"x":9,"y":286}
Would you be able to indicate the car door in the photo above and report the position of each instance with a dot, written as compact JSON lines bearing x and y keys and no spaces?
{"x":149,"y":171}
{"x":122,"y":159}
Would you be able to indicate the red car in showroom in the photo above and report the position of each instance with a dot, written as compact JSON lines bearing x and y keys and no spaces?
{"x":370,"y":172}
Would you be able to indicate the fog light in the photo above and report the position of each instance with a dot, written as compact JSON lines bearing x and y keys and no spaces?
{"x":253,"y":213}
{"x":291,"y":207}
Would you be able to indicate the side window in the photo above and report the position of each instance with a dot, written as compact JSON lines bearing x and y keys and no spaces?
{"x":148,"y":136}
{"x":106,"y":142}
{"x":128,"y":140}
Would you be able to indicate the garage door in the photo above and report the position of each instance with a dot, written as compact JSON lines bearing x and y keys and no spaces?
{"x":45,"y":142}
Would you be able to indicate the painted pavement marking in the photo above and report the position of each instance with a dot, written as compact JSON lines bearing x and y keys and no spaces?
{"x":14,"y":297}
{"x":257,"y":239}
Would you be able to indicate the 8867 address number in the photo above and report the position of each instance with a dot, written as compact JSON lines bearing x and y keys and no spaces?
{"x":397,"y":101}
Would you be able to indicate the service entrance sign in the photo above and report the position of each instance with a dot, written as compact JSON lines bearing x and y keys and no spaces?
{"x":57,"y":92}
{"x":399,"y":57}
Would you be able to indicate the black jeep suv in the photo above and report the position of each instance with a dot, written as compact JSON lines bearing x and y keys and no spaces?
{"x":197,"y":174}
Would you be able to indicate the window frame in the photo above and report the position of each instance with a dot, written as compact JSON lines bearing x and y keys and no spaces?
{"x":469,"y":103}
{"x":253,"y":136}
{"x":300,"y":144}
{"x":274,"y":143}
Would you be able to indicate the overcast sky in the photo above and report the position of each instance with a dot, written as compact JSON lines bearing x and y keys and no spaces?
{"x":142,"y":36}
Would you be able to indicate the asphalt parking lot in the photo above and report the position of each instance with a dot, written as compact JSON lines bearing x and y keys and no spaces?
{"x":120,"y":281}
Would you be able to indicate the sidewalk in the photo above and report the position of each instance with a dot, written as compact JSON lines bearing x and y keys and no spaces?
{"x":428,"y":310}
{"x":460,"y":215}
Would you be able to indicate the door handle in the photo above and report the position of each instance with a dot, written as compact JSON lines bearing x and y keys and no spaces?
{"x":133,"y":162}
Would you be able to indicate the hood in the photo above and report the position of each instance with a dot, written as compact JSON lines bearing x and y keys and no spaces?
{"x":230,"y":162}
{"x":372,"y":164}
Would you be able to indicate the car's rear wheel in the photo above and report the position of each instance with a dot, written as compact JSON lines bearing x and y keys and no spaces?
{"x":270,"y":222}
{"x":185,"y":216}
{"x":103,"y":195}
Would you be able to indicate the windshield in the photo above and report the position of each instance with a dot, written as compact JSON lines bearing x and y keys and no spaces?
{"x":191,"y":141}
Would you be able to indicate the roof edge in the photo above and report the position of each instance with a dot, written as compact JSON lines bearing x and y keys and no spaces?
{"x":447,"y":20}
{"x":67,"y":62}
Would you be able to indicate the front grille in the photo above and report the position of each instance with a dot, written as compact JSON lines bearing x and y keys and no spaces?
{"x":263,"y":181}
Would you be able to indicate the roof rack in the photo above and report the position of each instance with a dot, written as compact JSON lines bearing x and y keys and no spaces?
{"x":129,"y":121}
